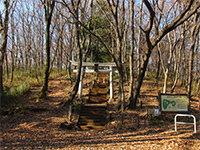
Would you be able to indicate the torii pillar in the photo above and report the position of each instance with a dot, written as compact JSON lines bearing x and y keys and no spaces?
{"x":111,"y":84}
{"x":80,"y":87}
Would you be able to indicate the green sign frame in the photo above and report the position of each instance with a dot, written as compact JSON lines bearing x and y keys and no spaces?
{"x":174,"y":103}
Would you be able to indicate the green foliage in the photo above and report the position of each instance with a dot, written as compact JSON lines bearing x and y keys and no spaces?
{"x":21,"y":83}
{"x":21,"y":76}
{"x":77,"y":103}
{"x":72,"y":78}
{"x":12,"y":93}
{"x":100,"y":27}
{"x":115,"y":76}
{"x":151,"y":76}
{"x":17,"y":90}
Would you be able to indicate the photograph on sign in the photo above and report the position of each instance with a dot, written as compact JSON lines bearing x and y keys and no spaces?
{"x":174,"y":103}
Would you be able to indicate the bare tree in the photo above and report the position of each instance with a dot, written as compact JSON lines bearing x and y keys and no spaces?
{"x":197,"y":71}
{"x":74,"y":10}
{"x":131,"y":57}
{"x":139,"y":38}
{"x":4,"y":33}
{"x":194,"y":33}
{"x":186,"y":13}
{"x":48,"y":7}
{"x":166,"y":68}
{"x":177,"y":57}
{"x":12,"y":51}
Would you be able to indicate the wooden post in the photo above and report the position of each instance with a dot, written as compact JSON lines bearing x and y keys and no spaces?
{"x":96,"y":67}
{"x":81,"y":83}
{"x":111,"y":83}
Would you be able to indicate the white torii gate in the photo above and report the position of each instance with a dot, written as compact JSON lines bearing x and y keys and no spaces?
{"x":96,"y":65}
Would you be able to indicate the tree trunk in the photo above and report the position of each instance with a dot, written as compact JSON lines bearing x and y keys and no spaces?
{"x":77,"y":28}
{"x":4,"y":43}
{"x":131,"y":58}
{"x":49,"y":7}
{"x":196,"y":63}
{"x":121,"y":98}
{"x":158,"y":68}
{"x":6,"y":67}
{"x":194,"y":33}
{"x":140,"y":78}
{"x":166,"y":71}
{"x":177,"y":58}
{"x":139,"y":39}
{"x":47,"y":65}
{"x":13,"y":47}
{"x":177,"y":70}
{"x":12,"y":67}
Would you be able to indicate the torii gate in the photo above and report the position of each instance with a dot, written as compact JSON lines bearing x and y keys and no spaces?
{"x":96,"y":66}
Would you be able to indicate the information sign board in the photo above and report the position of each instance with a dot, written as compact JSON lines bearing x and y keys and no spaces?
{"x":174,"y":103}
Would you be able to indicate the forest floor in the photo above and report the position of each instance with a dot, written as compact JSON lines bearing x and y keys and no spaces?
{"x":36,"y":124}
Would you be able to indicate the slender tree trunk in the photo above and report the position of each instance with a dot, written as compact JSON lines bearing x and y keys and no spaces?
{"x":177,"y":71}
{"x":183,"y":84}
{"x":158,"y":68}
{"x":196,"y":62}
{"x":193,"y":36}
{"x":49,"y":7}
{"x":47,"y":65}
{"x":139,"y":38}
{"x":4,"y":42}
{"x":121,"y":98}
{"x":13,"y":47}
{"x":177,"y":58}
{"x":75,"y":89}
{"x":166,"y":71}
{"x":77,"y":30}
{"x":131,"y":57}
{"x":6,"y":67}
{"x":12,"y":67}
{"x":140,"y":78}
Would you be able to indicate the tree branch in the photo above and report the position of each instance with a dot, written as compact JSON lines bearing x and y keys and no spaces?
{"x":105,"y":14}
{"x":150,"y":24}
{"x":85,"y":27}
{"x":177,"y":21}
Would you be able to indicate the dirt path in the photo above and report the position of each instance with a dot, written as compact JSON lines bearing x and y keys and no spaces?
{"x":38,"y":126}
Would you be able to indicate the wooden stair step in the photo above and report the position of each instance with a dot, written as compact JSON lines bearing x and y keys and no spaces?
{"x":103,"y":75}
{"x":85,"y":122}
{"x":100,"y":85}
{"x":101,"y":80}
{"x":98,"y":97}
{"x":88,"y":127}
{"x":103,"y":105}
{"x":99,"y":91}
{"x":93,"y":117}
